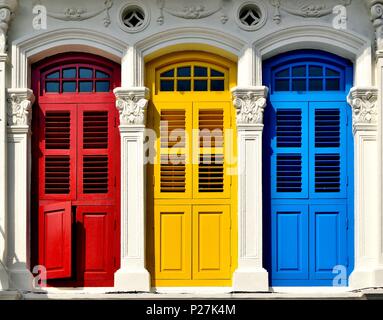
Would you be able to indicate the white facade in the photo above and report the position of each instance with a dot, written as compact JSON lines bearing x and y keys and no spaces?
{"x":352,"y":31}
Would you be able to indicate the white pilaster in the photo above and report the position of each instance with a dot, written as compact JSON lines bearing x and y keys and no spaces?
{"x":132,"y":105}
{"x":250,"y":275}
{"x":7,"y":8}
{"x":19,"y":120}
{"x":368,"y":270}
{"x":132,"y":68}
{"x":248,"y":74}
{"x":3,"y":174}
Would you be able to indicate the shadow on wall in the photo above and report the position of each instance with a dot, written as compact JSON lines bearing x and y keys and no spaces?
{"x":3,"y":269}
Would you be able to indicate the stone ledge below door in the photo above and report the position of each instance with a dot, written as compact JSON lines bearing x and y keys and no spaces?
{"x":276,"y":294}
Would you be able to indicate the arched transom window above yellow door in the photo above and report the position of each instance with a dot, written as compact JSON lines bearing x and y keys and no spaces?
{"x":190,"y":77}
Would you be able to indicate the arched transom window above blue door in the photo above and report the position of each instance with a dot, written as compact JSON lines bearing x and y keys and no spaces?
{"x":307,"y":72}
{"x":308,"y":77}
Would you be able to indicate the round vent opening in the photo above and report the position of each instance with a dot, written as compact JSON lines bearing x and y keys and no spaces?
{"x":251,"y":16}
{"x":133,"y":18}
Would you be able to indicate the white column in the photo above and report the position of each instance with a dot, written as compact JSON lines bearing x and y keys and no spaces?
{"x":368,"y":270}
{"x":19,"y":120}
{"x":250,"y":275}
{"x":133,"y":275}
{"x":7,"y":8}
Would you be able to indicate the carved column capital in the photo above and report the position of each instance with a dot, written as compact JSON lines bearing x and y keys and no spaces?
{"x":7,"y":9}
{"x":20,"y":103}
{"x":250,"y":103}
{"x":363,"y":101}
{"x":132,"y":104}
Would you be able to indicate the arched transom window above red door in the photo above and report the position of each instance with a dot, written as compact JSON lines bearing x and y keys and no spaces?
{"x":77,"y":78}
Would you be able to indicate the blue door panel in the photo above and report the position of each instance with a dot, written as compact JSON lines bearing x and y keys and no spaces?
{"x":328,"y":239}
{"x":328,"y":150}
{"x":290,"y":242}
{"x":289,"y":159}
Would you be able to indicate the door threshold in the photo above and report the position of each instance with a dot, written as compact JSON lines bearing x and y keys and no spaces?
{"x":196,"y":290}
{"x":310,"y":290}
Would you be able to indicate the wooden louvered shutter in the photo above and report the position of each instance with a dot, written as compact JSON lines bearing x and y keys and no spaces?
{"x":173,"y":169}
{"x":210,"y":179}
{"x":328,"y":149}
{"x":95,"y":149}
{"x":55,"y":239}
{"x":57,"y":165}
{"x":290,"y":153}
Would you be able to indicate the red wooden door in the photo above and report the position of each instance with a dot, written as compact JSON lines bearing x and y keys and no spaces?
{"x":76,"y":161}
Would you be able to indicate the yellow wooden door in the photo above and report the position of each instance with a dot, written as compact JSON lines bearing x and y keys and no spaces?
{"x":193,"y":194}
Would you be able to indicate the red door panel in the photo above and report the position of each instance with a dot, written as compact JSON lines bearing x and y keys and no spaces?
{"x":57,"y":153}
{"x":95,"y":228}
{"x":96,"y":144}
{"x":55,"y":241}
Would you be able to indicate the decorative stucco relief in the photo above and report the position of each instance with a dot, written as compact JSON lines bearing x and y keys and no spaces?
{"x":377,"y":20}
{"x":20,"y":103}
{"x":191,"y":11}
{"x":363,"y":102}
{"x":7,"y":9}
{"x":132,"y":105}
{"x":305,"y":9}
{"x":80,"y":14}
{"x":250,"y":104}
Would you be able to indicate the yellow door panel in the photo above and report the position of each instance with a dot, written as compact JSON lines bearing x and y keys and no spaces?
{"x":211,"y":121}
{"x":172,"y":242}
{"x":211,"y":242}
{"x":172,"y":165}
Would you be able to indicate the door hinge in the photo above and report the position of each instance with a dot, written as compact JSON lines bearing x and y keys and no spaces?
{"x":114,"y":261}
{"x":347,"y":223}
{"x":347,"y":261}
{"x":115,"y":224}
{"x":115,"y":122}
{"x":115,"y":181}
{"x":347,"y":182}
{"x":154,"y":181}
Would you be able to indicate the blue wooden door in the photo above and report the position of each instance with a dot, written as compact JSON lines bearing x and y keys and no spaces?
{"x":308,"y":165}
